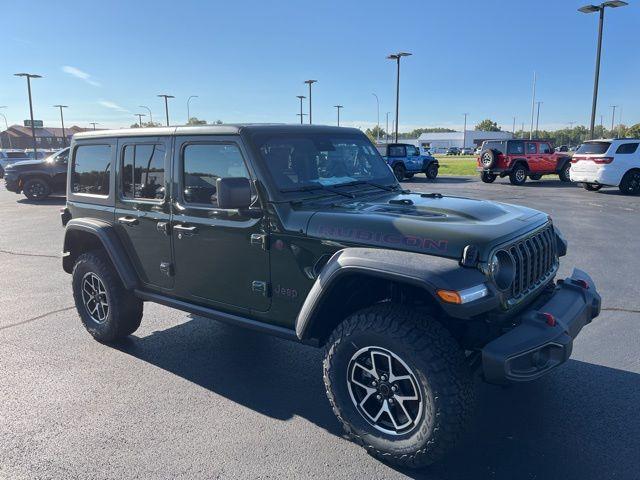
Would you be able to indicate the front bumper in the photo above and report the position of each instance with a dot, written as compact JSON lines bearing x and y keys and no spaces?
{"x":13,"y":185}
{"x":538,"y":344}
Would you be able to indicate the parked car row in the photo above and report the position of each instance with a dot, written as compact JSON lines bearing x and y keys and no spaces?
{"x":37,"y":177}
{"x":595,"y":163}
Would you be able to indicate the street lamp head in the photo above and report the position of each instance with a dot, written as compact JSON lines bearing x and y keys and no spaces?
{"x":396,"y":56}
{"x":29,"y":75}
{"x":614,"y":3}
{"x":310,"y":81}
{"x":166,"y":96}
{"x":589,"y":9}
{"x":339,"y":106}
{"x":60,"y":106}
{"x":301,"y":97}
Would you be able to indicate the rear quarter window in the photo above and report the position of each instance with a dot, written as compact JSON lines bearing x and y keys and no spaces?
{"x":627,"y":148}
{"x":594,"y":148}
{"x":498,"y":146}
{"x":91,"y":170}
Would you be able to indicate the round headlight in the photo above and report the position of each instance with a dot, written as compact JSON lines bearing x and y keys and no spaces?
{"x":501,"y":269}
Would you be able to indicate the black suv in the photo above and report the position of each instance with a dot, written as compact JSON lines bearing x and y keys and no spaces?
{"x":303,"y":232}
{"x":38,"y":179}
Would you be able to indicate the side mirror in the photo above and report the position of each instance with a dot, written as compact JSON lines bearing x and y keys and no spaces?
{"x":233,"y":192}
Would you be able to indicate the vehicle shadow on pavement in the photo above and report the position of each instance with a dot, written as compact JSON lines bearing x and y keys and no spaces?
{"x":579,"y":422}
{"x":440,"y":180}
{"x":275,"y":377}
{"x":46,"y":201}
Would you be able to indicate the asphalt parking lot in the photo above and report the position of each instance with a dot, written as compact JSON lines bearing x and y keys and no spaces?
{"x":187,"y":397}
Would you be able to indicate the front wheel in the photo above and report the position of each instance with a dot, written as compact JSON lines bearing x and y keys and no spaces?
{"x":518,"y":175}
{"x":399,"y":384}
{"x":432,"y":171}
{"x":630,"y":184}
{"x":108,"y":311}
{"x":399,"y":171}
{"x":36,"y":189}
{"x":565,"y":172}
{"x":487,"y":177}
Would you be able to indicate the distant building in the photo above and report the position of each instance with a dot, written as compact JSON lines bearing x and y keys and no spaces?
{"x":17,"y":136}
{"x":440,"y":141}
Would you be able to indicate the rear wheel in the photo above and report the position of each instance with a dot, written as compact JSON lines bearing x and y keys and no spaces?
{"x":630,"y":184}
{"x":432,"y":171}
{"x":399,"y":384}
{"x":399,"y":171}
{"x":36,"y":189}
{"x":564,"y":173}
{"x":518,"y":175}
{"x":108,"y":311}
{"x":487,"y":177}
{"x":592,"y":187}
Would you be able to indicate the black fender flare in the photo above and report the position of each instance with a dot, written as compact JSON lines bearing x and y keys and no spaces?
{"x":427,"y":272}
{"x":105,"y":233}
{"x":518,"y":161}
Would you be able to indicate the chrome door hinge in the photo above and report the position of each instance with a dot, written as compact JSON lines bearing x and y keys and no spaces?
{"x":260,"y":287}
{"x":260,"y":240}
{"x":166,"y":268}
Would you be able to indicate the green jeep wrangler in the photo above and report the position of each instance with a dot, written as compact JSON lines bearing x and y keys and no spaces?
{"x":303,"y":232}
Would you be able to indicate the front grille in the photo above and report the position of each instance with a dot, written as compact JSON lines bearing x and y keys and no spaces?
{"x":535,"y":258}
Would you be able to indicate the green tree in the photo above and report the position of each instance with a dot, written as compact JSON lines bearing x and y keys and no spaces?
{"x":375,"y":133}
{"x":196,"y":121}
{"x":488,"y":125}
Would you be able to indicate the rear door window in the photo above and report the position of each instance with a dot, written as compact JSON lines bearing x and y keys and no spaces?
{"x":516,"y":148}
{"x":627,"y":148}
{"x":143,"y":171}
{"x":531,"y":148}
{"x":91,"y":169}
{"x":545,"y":148}
{"x":594,"y":148}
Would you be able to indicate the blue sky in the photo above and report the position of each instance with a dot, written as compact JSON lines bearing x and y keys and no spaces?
{"x":247,"y":60}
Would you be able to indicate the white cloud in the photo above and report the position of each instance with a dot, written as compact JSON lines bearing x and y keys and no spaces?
{"x":76,"y":72}
{"x":113,"y":106}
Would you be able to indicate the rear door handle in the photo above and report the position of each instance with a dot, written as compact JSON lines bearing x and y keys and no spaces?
{"x":129,"y":221}
{"x":183,"y":230}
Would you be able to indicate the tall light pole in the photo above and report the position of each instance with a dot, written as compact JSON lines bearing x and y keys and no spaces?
{"x":140,"y":115}
{"x":386,"y":131}
{"x":64,"y":135}
{"x":613,"y":116}
{"x":522,"y":129}
{"x":94,"y":124}
{"x":464,"y":131}
{"x":538,"y":116}
{"x":310,"y":82}
{"x":301,"y":97}
{"x":514,"y":127}
{"x":188,"y":111}
{"x":166,"y":104}
{"x":338,"y":107}
{"x":6,"y":124}
{"x":397,"y":57}
{"x":33,"y":127}
{"x":149,"y":110}
{"x":533,"y":105}
{"x":378,"y":123}
{"x":600,"y":9}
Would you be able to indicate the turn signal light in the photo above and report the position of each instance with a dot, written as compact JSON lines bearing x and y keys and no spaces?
{"x":449,"y":296}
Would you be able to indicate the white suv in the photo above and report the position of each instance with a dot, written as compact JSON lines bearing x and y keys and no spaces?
{"x":615,"y":162}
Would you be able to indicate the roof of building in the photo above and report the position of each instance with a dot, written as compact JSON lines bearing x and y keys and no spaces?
{"x":20,"y":130}
{"x":226,"y":129}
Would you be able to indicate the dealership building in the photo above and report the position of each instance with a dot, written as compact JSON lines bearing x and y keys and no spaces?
{"x":438,"y":141}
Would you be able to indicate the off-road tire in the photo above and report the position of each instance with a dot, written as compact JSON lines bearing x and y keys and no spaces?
{"x":487,"y":158}
{"x":124,"y":312}
{"x":432,"y":171}
{"x":535,"y":176}
{"x":36,"y":189}
{"x":439,"y":365}
{"x":487,"y":177}
{"x":591,"y":187}
{"x":399,"y":171}
{"x":518,"y":174}
{"x":564,"y":172}
{"x":630,"y":183}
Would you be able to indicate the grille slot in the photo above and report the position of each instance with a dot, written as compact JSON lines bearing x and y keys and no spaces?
{"x":535,"y":258}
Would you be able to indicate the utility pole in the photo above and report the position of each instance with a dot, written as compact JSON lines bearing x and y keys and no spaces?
{"x":464,"y":131}
{"x":64,"y":136}
{"x":378,"y":104}
{"x":538,"y":117}
{"x":29,"y":76}
{"x":533,"y":105}
{"x":140,"y":115}
{"x":397,"y":57}
{"x":514,"y":126}
{"x":188,"y":111}
{"x":386,"y":131}
{"x":613,"y":117}
{"x":94,"y":124}
{"x":301,"y":97}
{"x":166,"y":105}
{"x":600,"y":9}
{"x":310,"y":82}
{"x":338,"y":107}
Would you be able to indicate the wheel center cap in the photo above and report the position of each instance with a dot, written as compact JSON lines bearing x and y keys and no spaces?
{"x":384,"y":389}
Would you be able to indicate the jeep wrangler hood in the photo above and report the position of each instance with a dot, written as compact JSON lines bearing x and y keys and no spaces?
{"x":424,"y":223}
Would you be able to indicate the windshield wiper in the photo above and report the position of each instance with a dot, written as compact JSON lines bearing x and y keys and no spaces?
{"x":311,"y":188}
{"x":388,"y":188}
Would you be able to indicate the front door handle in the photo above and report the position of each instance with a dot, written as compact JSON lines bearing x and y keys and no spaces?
{"x":129,"y":221}
{"x":184,"y":230}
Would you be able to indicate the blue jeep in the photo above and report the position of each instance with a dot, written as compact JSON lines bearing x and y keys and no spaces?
{"x":405,"y":160}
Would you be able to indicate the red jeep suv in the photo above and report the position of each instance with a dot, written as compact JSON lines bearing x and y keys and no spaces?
{"x":520,"y":159}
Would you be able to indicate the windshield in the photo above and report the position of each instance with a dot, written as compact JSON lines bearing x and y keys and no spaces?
{"x":304,"y":160}
{"x":596,"y":148}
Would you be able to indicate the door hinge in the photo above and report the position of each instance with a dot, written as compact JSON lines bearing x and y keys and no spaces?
{"x":260,"y":287}
{"x":259,"y":240}
{"x":166,"y":268}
